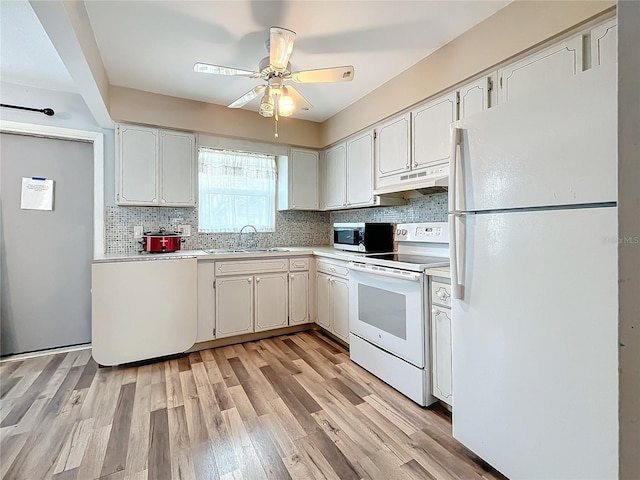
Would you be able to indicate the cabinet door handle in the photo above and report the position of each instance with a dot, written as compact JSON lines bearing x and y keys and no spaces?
{"x":407,"y":166}
{"x":249,"y":279}
{"x":292,"y":277}
{"x":415,"y":165}
{"x":257,"y":279}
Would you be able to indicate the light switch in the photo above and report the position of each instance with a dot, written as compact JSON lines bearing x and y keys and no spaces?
{"x":184,"y":230}
{"x":137,"y":231}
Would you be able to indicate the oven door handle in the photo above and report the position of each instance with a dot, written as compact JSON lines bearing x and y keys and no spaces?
{"x":411,"y":276}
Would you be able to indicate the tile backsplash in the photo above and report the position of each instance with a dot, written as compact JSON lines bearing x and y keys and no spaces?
{"x":293,"y":228}
{"x":429,"y":208}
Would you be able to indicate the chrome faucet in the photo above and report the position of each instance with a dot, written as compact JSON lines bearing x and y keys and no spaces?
{"x":255,"y":230}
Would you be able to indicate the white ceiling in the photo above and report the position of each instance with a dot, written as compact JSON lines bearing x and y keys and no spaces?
{"x":152,"y":45}
{"x":27,"y":56}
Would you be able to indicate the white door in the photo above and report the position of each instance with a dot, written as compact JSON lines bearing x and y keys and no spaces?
{"x":234,"y":306}
{"x":138,"y":165}
{"x":323,"y":299}
{"x":298,"y":297}
{"x":536,"y":74}
{"x":475,"y":97}
{"x":340,"y":307}
{"x":604,"y":44}
{"x":271,"y":301}
{"x":441,"y":354}
{"x":559,"y":149}
{"x":304,"y":180}
{"x":335,"y":160}
{"x":177,"y":169}
{"x":392,"y":145}
{"x":535,"y":342}
{"x":360,"y":170}
{"x":431,"y":131}
{"x":387,"y":310}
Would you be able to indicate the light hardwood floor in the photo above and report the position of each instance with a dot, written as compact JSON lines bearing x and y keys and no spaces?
{"x":288,"y":407}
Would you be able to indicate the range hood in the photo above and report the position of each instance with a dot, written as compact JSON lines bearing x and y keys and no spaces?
{"x":410,"y":186}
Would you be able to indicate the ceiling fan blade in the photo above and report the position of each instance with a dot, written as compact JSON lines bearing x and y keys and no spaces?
{"x":220,"y":70}
{"x":247,"y":97}
{"x":280,"y":47}
{"x":322,"y":75}
{"x":299,"y":101}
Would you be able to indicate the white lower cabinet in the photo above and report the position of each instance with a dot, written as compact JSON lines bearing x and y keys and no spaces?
{"x":257,"y":295}
{"x":340,"y":307}
{"x":441,"y":368}
{"x":441,"y":358}
{"x":271,"y":301}
{"x":333,"y":298}
{"x":234,"y":306}
{"x":299,"y":298}
{"x":206,"y":302}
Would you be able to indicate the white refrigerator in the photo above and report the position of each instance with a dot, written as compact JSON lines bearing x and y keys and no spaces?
{"x":533,"y":220}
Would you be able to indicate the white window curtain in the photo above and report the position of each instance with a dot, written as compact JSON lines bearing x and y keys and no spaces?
{"x":236,"y":189}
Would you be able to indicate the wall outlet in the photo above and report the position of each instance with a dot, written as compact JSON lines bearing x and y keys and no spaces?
{"x":184,"y":230}
{"x":137,"y":231}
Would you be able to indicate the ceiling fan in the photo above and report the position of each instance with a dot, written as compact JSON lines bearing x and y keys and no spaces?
{"x":279,"y":99}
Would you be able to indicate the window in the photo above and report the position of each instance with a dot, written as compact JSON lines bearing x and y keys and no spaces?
{"x":236,"y":189}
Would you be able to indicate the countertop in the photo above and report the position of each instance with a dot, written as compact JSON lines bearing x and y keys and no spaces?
{"x":321,"y":251}
{"x":444,"y":272}
{"x":326,"y":251}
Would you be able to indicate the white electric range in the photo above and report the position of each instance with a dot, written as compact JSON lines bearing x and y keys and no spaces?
{"x":388,"y":308}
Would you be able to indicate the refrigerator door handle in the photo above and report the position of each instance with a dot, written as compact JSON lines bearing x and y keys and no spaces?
{"x":453,"y":169}
{"x":457,"y":289}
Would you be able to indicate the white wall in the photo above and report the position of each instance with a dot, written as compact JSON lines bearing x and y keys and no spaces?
{"x":629,"y":234}
{"x":70,"y":112}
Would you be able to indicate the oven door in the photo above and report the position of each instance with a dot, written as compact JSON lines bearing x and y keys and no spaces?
{"x":387,"y":309}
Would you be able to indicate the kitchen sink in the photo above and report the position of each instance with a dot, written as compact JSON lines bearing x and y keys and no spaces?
{"x":246,"y":250}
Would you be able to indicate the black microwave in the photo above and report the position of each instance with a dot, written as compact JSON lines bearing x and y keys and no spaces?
{"x":363,"y":237}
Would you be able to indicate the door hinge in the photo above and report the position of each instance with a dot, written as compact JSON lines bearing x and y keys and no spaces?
{"x":214,"y":284}
{"x":458,"y":98}
{"x":500,"y":82}
{"x":375,"y":134}
{"x":214,"y":332}
{"x":489,"y":85}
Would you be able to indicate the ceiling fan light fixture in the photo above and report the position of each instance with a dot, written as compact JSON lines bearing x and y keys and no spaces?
{"x":266,"y":105}
{"x":285,"y":103}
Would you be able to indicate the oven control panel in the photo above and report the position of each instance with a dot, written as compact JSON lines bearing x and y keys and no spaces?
{"x":432,"y":232}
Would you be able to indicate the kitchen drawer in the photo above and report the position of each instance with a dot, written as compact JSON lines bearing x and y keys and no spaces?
{"x":241,"y":267}
{"x":299,"y":263}
{"x":441,"y":294}
{"x":332,"y":268}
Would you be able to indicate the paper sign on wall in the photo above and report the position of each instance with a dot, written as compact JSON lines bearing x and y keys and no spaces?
{"x":37,"y":194}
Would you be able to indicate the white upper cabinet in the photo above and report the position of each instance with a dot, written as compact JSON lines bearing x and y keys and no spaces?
{"x":534,"y":74}
{"x":155,"y":167}
{"x":138,"y":162}
{"x":360,"y":170}
{"x":335,"y":160}
{"x":431,"y":131}
{"x":177,"y":169}
{"x":604,"y":44}
{"x":476,"y":97}
{"x":392,"y":146}
{"x":298,"y":180}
